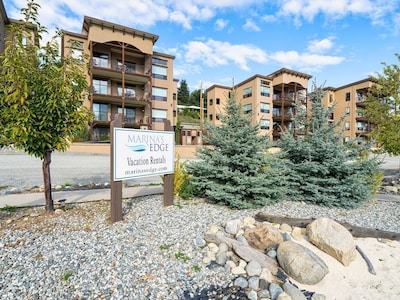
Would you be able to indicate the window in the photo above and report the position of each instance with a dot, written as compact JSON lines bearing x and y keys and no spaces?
{"x":347,"y":111}
{"x":330,"y":98}
{"x":265,"y":91}
{"x":248,"y":92}
{"x":347,"y":126}
{"x":265,"y":108}
{"x":100,"y":60}
{"x":211,"y":102}
{"x":159,"y":72}
{"x":24,"y":40}
{"x":130,"y":91}
{"x":77,"y":54}
{"x":128,"y":66}
{"x":264,"y":124}
{"x":100,"y":111}
{"x":359,"y":96}
{"x":159,"y":115}
{"x":100,"y":86}
{"x":159,"y":61}
{"x":159,"y":94}
{"x":210,"y":117}
{"x":217,"y":101}
{"x":276,"y":111}
{"x":129,"y":114}
{"x":346,"y":139}
{"x":264,"y":82}
{"x":247,"y":109}
{"x":360,"y":126}
{"x":348,"y":96}
{"x":174,"y":96}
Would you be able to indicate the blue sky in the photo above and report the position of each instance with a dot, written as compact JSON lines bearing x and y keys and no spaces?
{"x":215,"y":42}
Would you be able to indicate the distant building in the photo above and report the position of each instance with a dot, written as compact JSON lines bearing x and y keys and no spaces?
{"x":3,"y":23}
{"x":126,"y":76}
{"x":349,"y":103}
{"x":270,"y":100}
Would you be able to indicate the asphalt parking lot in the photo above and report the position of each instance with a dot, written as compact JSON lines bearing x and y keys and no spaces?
{"x":21,"y":171}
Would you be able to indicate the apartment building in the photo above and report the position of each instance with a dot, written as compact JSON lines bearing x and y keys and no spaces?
{"x":270,"y":100}
{"x":3,"y":23}
{"x":349,"y":102}
{"x":126,"y":76}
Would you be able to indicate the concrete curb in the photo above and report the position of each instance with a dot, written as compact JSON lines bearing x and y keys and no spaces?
{"x":37,"y":199}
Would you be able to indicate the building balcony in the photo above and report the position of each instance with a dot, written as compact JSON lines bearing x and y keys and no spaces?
{"x":361,"y":118}
{"x":285,"y":100}
{"x":278,"y":116}
{"x":130,"y":122}
{"x":361,"y":103}
{"x":138,"y":97}
{"x":113,"y":69}
{"x":363,"y":130}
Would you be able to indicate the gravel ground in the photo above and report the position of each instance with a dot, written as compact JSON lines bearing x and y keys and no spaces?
{"x":151,"y":254}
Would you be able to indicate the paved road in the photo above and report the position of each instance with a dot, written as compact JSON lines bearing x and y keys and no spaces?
{"x":22,"y":171}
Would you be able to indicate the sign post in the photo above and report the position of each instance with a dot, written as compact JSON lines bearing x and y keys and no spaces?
{"x":139,"y":153}
{"x":116,"y":186}
{"x":168,"y":178}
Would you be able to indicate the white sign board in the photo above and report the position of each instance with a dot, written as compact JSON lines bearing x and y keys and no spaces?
{"x":140,"y":153}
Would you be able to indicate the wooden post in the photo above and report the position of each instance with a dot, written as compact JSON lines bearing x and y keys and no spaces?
{"x":201,"y":113}
{"x":116,"y":186}
{"x":168,"y":178}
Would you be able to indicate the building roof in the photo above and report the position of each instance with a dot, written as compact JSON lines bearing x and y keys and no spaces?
{"x":290,"y":72}
{"x":3,"y":12}
{"x":218,"y":86}
{"x":369,"y":79}
{"x":88,"y":21}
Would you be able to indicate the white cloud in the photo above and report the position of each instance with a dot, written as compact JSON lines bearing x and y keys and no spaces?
{"x":306,"y":61}
{"x":220,"y":24}
{"x":250,"y":26}
{"x":269,"y":18}
{"x":307,"y":10}
{"x":216,"y":53}
{"x":320,"y":46}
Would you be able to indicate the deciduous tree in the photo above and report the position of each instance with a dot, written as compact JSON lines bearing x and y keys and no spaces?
{"x":383,"y":108}
{"x":41,"y":94}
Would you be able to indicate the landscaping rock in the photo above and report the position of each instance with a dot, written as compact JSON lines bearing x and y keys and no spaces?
{"x":263,"y":236}
{"x":301,"y":263}
{"x":332,"y":238}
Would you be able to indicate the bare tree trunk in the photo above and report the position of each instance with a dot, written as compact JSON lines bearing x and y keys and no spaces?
{"x":47,"y":181}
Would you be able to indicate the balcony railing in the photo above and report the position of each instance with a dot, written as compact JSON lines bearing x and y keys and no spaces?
{"x":116,"y":65}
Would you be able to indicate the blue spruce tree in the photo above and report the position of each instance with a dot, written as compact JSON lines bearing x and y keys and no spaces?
{"x":323,"y":168}
{"x":237,"y":169}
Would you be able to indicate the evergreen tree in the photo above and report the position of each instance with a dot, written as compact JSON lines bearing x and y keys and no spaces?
{"x":183,"y":93}
{"x":195,"y":98}
{"x":235,"y":170}
{"x":323,"y":169}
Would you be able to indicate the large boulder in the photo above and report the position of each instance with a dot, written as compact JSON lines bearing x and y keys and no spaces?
{"x":301,"y":263}
{"x":332,"y":238}
{"x":263,"y":236}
